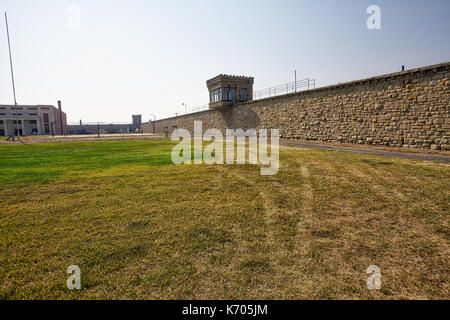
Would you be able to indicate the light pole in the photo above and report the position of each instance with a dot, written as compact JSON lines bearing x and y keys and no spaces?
{"x":154,"y":117}
{"x":12,"y":79}
{"x":185,"y":107}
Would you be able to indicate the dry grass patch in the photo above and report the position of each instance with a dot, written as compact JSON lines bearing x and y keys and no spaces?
{"x":140,"y":227}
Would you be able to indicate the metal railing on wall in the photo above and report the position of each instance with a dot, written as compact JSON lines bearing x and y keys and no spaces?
{"x":199,"y":108}
{"x":291,"y":87}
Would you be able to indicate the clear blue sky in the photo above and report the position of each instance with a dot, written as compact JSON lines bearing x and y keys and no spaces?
{"x":143,"y":56}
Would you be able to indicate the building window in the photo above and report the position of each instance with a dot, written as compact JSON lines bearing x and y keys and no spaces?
{"x":223,"y":94}
{"x":1,"y":121}
{"x":46,"y":124}
{"x":229,"y":94}
{"x":232,"y":95}
{"x":244,"y":96}
{"x":215,"y":96}
{"x":33,"y":121}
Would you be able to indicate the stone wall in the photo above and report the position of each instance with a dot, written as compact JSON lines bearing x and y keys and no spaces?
{"x":409,"y":109}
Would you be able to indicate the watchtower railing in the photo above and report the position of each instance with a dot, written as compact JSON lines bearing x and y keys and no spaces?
{"x":291,"y":87}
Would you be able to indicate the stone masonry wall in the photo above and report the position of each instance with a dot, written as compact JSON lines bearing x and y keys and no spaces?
{"x":409,"y":109}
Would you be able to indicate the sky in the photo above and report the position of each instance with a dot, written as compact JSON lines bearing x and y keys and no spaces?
{"x":124,"y":57}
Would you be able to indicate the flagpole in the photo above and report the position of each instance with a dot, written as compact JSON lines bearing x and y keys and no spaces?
{"x":12,"y":75}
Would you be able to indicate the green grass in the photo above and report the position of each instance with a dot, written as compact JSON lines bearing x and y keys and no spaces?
{"x":140,"y":227}
{"x":21,"y":165}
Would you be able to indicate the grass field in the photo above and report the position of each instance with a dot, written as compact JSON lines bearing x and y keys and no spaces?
{"x":140,"y":227}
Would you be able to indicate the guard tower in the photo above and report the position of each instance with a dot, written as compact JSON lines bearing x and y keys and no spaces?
{"x":137,"y":121}
{"x":225,"y":90}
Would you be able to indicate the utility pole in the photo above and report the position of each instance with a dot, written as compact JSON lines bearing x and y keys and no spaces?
{"x":98,"y":130}
{"x":12,"y":79}
{"x":295,"y":77}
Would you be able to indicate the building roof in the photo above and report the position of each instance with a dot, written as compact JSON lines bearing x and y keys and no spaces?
{"x":228,"y":77}
{"x":27,"y":105}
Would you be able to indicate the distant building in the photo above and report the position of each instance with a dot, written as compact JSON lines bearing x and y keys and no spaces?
{"x":32,"y":120}
{"x":105,"y":128}
{"x":226,"y":90}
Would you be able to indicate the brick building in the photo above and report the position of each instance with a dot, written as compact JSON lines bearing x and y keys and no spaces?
{"x":32,"y":120}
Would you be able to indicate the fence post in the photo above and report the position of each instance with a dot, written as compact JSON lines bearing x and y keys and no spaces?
{"x":295,"y":82}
